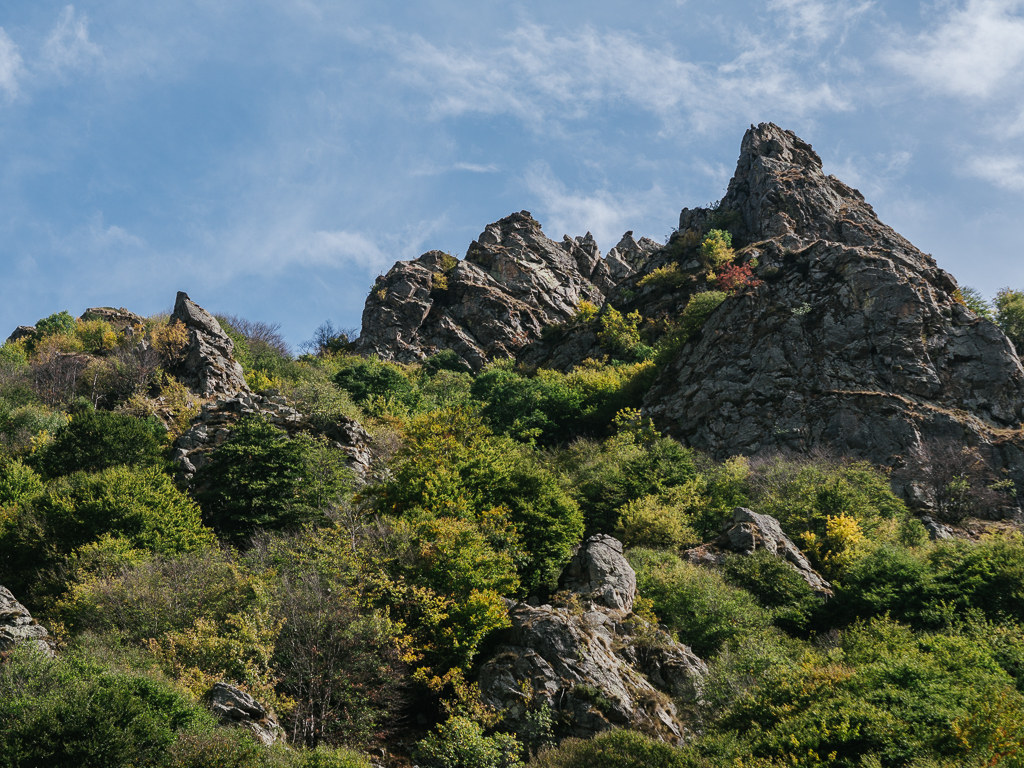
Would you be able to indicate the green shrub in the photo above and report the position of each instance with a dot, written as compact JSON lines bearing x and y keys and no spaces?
{"x":17,"y":481}
{"x":620,"y":334}
{"x":716,"y":249}
{"x":70,"y":713}
{"x":653,"y":523}
{"x":698,"y":309}
{"x":251,"y":481}
{"x":695,"y":602}
{"x":670,"y":276}
{"x":367,"y":378}
{"x":460,"y":743}
{"x":95,"y":440}
{"x":58,"y":324}
{"x":452,"y":466}
{"x":1010,"y":315}
{"x":615,"y":749}
{"x":776,"y":585}
{"x":445,"y":360}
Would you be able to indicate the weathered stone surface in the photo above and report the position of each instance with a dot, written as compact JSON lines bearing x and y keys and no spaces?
{"x":208,"y":367}
{"x":17,"y":625}
{"x":855,"y":340}
{"x":936,"y":531}
{"x":236,"y":707}
{"x":213,"y":426}
{"x":750,"y":532}
{"x":21,"y":332}
{"x":512,"y":283}
{"x":586,"y":663}
{"x":121,"y":319}
{"x":599,"y":572}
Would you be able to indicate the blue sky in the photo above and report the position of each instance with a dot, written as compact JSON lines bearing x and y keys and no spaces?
{"x":270,"y":158}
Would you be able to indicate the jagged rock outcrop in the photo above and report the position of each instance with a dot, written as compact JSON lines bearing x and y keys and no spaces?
{"x":587,"y":662}
{"x":750,"y":532}
{"x":512,"y":283}
{"x":855,"y":340}
{"x":121,"y":319}
{"x":212,"y":427}
{"x":207,"y":366}
{"x":17,"y":625}
{"x":21,"y":332}
{"x":236,"y":707}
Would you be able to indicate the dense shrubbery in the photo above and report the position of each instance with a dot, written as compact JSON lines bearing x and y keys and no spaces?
{"x":350,"y":610}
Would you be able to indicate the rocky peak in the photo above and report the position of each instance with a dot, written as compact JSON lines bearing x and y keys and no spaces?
{"x":513,"y":282}
{"x":207,"y":366}
{"x":855,"y":339}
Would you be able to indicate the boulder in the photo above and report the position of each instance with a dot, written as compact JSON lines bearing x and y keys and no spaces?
{"x":236,"y":707}
{"x":592,"y":662}
{"x":936,"y":530}
{"x":207,"y":366}
{"x":21,"y":332}
{"x":512,"y":283}
{"x":17,"y":625}
{"x":855,"y":340}
{"x":599,"y":572}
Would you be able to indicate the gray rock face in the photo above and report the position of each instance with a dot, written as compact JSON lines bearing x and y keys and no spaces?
{"x":208,"y":367}
{"x":750,"y":532}
{"x":599,"y":572}
{"x":17,"y":625}
{"x":236,"y":707}
{"x":936,"y":530}
{"x":213,"y":426}
{"x":589,"y":663}
{"x":21,"y":332}
{"x":121,"y":319}
{"x":855,"y":340}
{"x":512,"y":283}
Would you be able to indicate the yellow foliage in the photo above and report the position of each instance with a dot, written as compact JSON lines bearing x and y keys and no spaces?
{"x":169,"y":339}
{"x":669,"y":276}
{"x":258,"y":380}
{"x":651,"y":522}
{"x":840,"y":546}
{"x":586,"y":311}
{"x":439,"y":281}
{"x":716,"y":249}
{"x":97,"y":336}
{"x":57,"y":343}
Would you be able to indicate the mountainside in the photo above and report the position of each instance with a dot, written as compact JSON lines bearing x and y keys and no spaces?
{"x":845,"y":337}
{"x":512,"y":283}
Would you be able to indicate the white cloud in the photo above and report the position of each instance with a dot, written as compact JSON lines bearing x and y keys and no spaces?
{"x":817,"y":20}
{"x":606,"y":215}
{"x":545,"y":79}
{"x":1005,"y":171}
{"x":340,"y":248}
{"x":974,"y":51}
{"x":68,"y":46}
{"x":10,"y":64}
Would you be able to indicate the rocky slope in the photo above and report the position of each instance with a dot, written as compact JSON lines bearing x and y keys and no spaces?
{"x":494,"y":303}
{"x":856,"y":340}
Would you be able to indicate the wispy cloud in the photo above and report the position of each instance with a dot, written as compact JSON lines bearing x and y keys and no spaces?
{"x":817,"y":20}
{"x":605,"y":214}
{"x":974,"y":50}
{"x":1005,"y":171}
{"x":10,"y":64}
{"x":544,"y":79}
{"x":68,"y":47}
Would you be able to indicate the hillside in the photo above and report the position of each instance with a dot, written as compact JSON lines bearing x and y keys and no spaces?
{"x":747,"y":497}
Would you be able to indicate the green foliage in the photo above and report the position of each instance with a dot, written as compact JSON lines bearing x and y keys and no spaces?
{"x":445,"y":360}
{"x":460,"y":743}
{"x":251,"y":481}
{"x":140,"y":506}
{"x":975,"y":301}
{"x":13,"y":355}
{"x":668,"y":277}
{"x":367,"y":379}
{"x":776,"y":585}
{"x":695,"y":602}
{"x":452,"y":466}
{"x":924,"y":589}
{"x":71,"y":713}
{"x":620,"y":334}
{"x":698,"y":308}
{"x":552,"y":407}
{"x":884,"y":694}
{"x":716,"y":249}
{"x":1010,"y":315}
{"x":651,"y":522}
{"x":58,"y":324}
{"x":96,"y":440}
{"x":615,"y":749}
{"x":17,"y":481}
